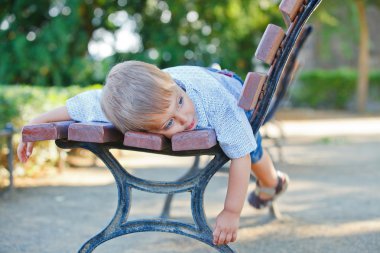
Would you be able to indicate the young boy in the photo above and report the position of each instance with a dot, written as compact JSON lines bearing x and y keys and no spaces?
{"x":140,"y":97}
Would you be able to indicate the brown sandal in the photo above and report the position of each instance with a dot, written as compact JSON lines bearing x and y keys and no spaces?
{"x":259,"y":203}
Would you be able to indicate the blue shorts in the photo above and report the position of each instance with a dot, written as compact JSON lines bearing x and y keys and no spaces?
{"x":257,"y":154}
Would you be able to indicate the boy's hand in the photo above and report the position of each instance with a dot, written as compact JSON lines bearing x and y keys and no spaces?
{"x":226,"y":227}
{"x":24,"y":151}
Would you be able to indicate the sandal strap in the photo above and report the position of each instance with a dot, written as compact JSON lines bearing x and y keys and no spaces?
{"x":271,"y":191}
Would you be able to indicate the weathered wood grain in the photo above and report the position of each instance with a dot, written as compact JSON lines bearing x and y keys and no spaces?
{"x":290,"y":9}
{"x":270,"y":43}
{"x":194,"y":140}
{"x":96,"y":132}
{"x":250,"y":94}
{"x":145,"y":140}
{"x":45,"y":131}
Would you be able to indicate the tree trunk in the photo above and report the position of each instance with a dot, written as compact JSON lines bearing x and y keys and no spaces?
{"x":363,"y":67}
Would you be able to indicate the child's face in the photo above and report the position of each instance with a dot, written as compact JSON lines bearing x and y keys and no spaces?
{"x":179,"y":117}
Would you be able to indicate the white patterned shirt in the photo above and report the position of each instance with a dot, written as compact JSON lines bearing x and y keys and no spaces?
{"x":215,"y":99}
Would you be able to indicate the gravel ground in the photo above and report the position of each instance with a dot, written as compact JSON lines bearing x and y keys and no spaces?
{"x":332,"y":205}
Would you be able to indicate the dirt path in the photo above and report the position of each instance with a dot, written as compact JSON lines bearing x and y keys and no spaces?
{"x":332,"y":206}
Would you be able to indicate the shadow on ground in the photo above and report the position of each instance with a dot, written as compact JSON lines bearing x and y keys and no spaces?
{"x":332,"y":205}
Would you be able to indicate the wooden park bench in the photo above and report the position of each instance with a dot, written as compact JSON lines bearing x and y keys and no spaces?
{"x":277,"y":48}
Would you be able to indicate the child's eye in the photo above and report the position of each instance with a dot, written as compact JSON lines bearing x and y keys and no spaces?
{"x":169,"y":124}
{"x":180,"y":101}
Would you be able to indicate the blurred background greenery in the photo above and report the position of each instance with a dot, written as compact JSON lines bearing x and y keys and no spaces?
{"x":60,"y":43}
{"x":53,"y":49}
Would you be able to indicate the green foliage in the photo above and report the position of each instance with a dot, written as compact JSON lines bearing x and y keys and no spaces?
{"x":224,"y":32}
{"x":335,"y":89}
{"x":46,"y":42}
{"x":338,"y":28}
{"x":41,"y":47}
{"x":373,"y":2}
{"x":338,"y":39}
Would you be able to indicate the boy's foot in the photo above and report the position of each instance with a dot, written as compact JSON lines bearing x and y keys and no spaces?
{"x":258,"y":202}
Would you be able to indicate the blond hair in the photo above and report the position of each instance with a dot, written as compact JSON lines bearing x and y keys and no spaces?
{"x":134,"y":91}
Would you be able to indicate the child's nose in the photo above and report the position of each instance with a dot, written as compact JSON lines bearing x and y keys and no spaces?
{"x":181,"y":119}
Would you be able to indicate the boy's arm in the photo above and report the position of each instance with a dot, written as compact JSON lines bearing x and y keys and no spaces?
{"x":227,"y":222}
{"x":57,"y":114}
{"x":25,"y":149}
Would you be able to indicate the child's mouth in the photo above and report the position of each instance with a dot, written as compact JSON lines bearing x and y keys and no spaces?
{"x":191,"y":126}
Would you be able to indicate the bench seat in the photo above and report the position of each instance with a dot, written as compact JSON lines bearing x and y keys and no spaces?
{"x":99,"y":132}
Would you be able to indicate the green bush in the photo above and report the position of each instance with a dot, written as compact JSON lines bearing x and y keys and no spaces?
{"x":322,"y":89}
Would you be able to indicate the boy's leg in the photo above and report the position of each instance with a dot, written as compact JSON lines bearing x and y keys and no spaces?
{"x":269,"y":182}
{"x":262,"y":166}
{"x":265,"y":172}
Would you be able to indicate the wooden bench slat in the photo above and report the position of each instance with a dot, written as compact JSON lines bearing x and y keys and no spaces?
{"x":45,"y":131}
{"x":145,"y":140}
{"x":97,"y":132}
{"x":250,"y":94}
{"x":290,"y":9}
{"x":270,"y":43}
{"x":194,"y":140}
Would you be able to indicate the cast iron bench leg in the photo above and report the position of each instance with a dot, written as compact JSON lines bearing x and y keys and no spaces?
{"x":191,"y":172}
{"x":120,"y":225}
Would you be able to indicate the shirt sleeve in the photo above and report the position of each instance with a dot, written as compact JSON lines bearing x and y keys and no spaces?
{"x":85,"y":107}
{"x":233,"y":131}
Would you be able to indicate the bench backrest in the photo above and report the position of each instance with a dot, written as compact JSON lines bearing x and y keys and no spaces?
{"x":277,"y":50}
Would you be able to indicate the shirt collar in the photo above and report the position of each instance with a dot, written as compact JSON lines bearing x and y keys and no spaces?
{"x":180,"y":84}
